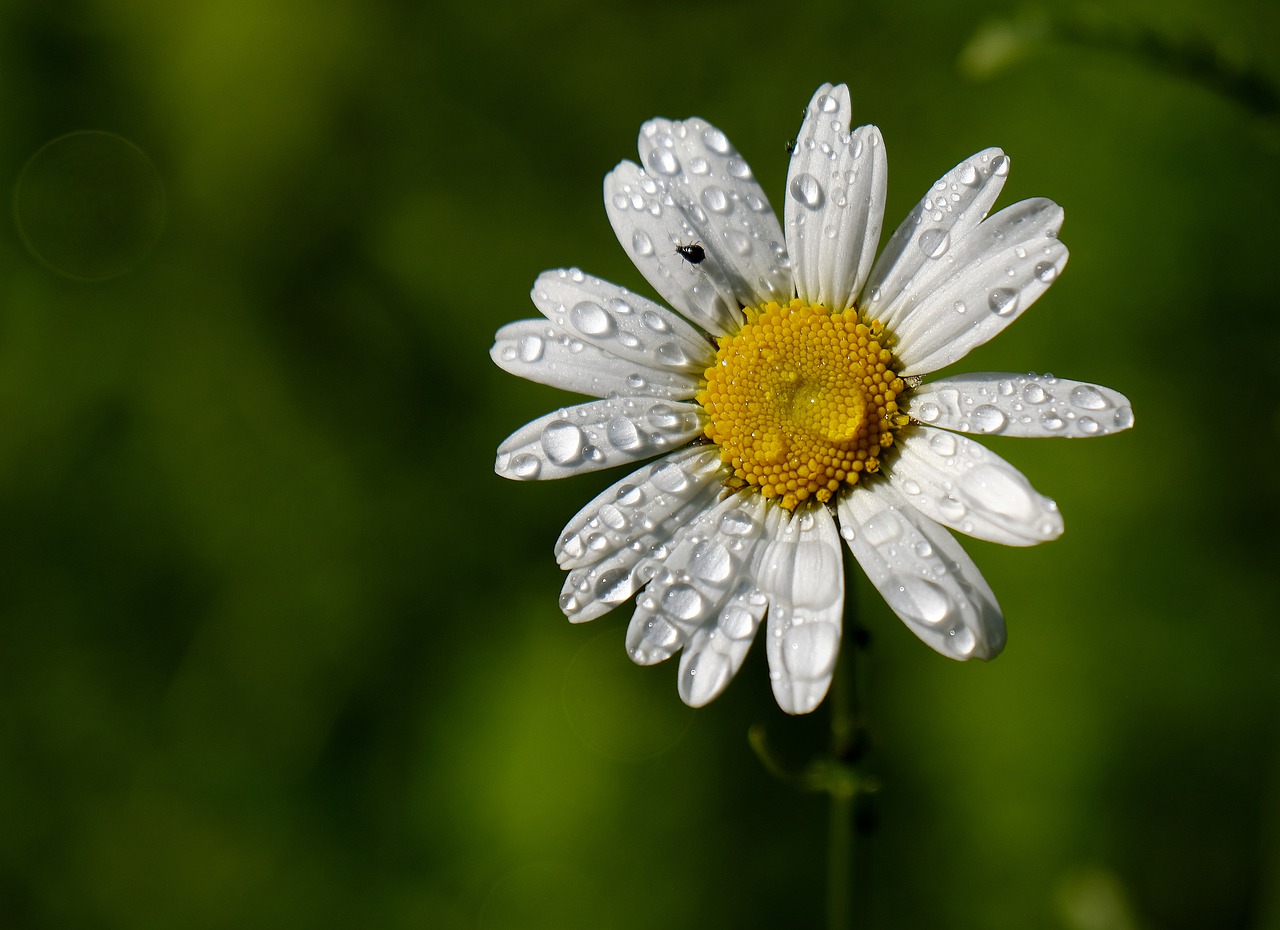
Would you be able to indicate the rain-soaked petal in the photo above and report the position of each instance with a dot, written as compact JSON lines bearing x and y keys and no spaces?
{"x":538,"y":350}
{"x":836,"y":187}
{"x":1021,"y":405}
{"x":596,"y":435}
{"x":962,"y":484}
{"x":802,"y":576}
{"x":922,"y":573}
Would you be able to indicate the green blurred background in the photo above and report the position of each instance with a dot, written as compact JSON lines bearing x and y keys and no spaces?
{"x":277,"y":649}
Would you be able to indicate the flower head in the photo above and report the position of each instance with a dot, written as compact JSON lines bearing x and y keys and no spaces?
{"x":787,"y":401}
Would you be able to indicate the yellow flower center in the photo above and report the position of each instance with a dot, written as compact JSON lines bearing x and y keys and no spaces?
{"x":802,"y":400}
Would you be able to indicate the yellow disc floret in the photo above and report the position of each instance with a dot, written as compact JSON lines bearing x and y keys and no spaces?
{"x":802,"y":401}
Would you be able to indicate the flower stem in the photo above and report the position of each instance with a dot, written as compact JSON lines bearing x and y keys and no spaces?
{"x":843,"y":790}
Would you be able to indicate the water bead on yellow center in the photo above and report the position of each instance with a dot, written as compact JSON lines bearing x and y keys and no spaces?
{"x":802,"y":400}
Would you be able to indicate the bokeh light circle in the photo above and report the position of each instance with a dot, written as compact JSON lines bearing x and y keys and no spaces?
{"x":89,"y":205}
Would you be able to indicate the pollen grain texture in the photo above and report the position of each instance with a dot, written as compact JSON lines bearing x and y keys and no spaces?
{"x":802,"y":401}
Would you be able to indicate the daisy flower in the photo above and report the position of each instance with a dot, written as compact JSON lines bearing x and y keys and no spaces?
{"x":787,"y":402}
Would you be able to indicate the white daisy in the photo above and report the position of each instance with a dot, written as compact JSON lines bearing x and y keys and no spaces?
{"x":787,"y":403}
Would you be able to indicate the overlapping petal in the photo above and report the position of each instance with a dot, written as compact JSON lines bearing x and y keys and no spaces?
{"x":624,"y":324}
{"x":1021,"y":405}
{"x":964,"y":485}
{"x":923,"y":574}
{"x":596,"y":435}
{"x":540,"y":351}
{"x":836,"y":186}
{"x":702,"y":597}
{"x":980,"y":285}
{"x":605,"y":546}
{"x":953,"y":206}
{"x":717,"y":194}
{"x":802,"y":577}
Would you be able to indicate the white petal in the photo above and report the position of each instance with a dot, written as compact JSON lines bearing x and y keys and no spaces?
{"x":650,"y":225}
{"x":981,"y":285}
{"x":718,"y":196}
{"x":609,"y":541}
{"x":540,"y":351}
{"x":1021,"y":405}
{"x":621,"y":323}
{"x":923,"y":574}
{"x":835,"y":201}
{"x":960,"y":483}
{"x":703,"y":594}
{"x":954,"y":205}
{"x":596,"y":435}
{"x":802,"y":576}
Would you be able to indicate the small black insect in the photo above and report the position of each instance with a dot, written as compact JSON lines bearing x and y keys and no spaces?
{"x":693,"y":254}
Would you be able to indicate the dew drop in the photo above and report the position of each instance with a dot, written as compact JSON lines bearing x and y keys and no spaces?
{"x":967,"y":174}
{"x":562,"y":442}
{"x":1003,"y":301}
{"x":1033,"y":393}
{"x":525,"y":466}
{"x":664,"y":161}
{"x":531,"y":348}
{"x":716,"y":200}
{"x":934,"y":242}
{"x":929,"y":412}
{"x":989,"y":419}
{"x":590,"y":319}
{"x":623,"y":434}
{"x":1046,"y":272}
{"x":716,"y":141}
{"x":1088,"y":397}
{"x":682,"y":602}
{"x":641,"y":244}
{"x":736,"y":622}
{"x":806,"y":189}
{"x":656,"y":322}
{"x":711,"y":562}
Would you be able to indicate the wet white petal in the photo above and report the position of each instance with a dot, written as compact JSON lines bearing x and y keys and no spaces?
{"x":955,"y":204}
{"x":713,"y":188}
{"x":540,"y":351}
{"x":650,"y":225}
{"x":596,"y":435}
{"x":801,"y":574}
{"x":642,"y":503}
{"x":922,"y":572}
{"x":1021,"y":405}
{"x":836,"y":187}
{"x":982,"y":284}
{"x":621,"y":323}
{"x":960,"y":483}
{"x":607,"y":546}
{"x":705,"y":587}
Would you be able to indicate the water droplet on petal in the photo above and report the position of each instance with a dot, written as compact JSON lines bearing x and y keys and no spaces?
{"x":716,"y":200}
{"x":1003,"y":301}
{"x":641,"y":244}
{"x":562,"y":442}
{"x":1046,"y":272}
{"x":531,"y":348}
{"x":682,"y":602}
{"x":1088,"y":397}
{"x":967,"y":174}
{"x":806,"y":189}
{"x":590,"y":319}
{"x":988,"y":419}
{"x":934,"y":242}
{"x":525,"y":466}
